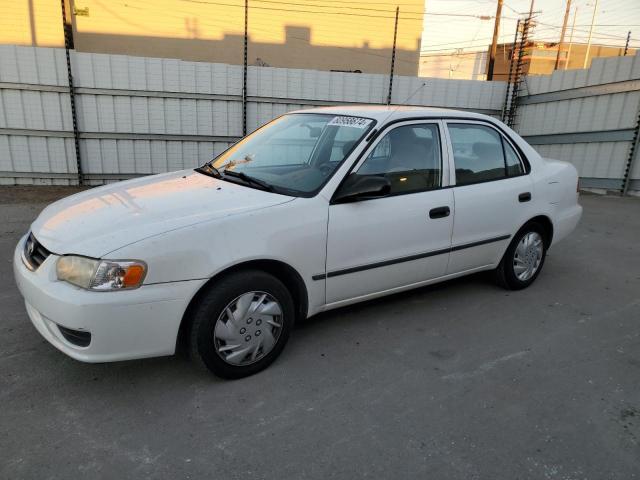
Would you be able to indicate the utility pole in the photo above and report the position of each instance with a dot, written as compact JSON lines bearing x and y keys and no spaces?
{"x":573,"y":27}
{"x":626,"y":45}
{"x":593,"y":20}
{"x":244,"y":69}
{"x":564,"y":29}
{"x":494,"y":43}
{"x":393,"y":56}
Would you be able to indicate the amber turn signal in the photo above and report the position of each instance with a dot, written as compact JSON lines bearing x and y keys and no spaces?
{"x":133,"y":276}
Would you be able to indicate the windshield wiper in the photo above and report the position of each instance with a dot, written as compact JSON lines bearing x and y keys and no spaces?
{"x":248,"y":179}
{"x":233,"y":163}
{"x":210,"y":170}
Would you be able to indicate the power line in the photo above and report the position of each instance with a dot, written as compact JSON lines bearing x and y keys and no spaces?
{"x":292,"y":10}
{"x":611,"y":25}
{"x":601,"y":34}
{"x":338,"y":13}
{"x":465,"y":41}
{"x":311,"y":4}
{"x":359,"y":2}
{"x":456,"y":54}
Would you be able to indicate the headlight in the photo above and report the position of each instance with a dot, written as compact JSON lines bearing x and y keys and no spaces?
{"x":101,"y":274}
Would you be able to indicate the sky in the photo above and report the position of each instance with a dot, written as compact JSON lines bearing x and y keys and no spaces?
{"x":443,"y":34}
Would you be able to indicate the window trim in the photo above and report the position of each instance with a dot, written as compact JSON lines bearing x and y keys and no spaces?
{"x":522,"y":164}
{"x":526,"y":169}
{"x":377,"y":138}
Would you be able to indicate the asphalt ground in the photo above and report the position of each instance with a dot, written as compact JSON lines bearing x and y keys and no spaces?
{"x":461,"y":380}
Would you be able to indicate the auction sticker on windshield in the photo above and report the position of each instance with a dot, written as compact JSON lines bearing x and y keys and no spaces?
{"x":355,"y":122}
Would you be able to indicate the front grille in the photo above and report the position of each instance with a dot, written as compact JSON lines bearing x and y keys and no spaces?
{"x":76,"y":337}
{"x":34,"y":253}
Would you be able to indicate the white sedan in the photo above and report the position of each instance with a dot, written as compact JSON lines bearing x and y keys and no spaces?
{"x":315,"y":210}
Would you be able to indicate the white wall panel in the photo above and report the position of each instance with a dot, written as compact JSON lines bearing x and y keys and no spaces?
{"x":22,"y":153}
{"x":127,"y":157}
{"x":602,"y":111}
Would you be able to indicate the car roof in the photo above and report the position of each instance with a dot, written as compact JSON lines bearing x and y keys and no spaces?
{"x":388,"y":113}
{"x":385,"y":114}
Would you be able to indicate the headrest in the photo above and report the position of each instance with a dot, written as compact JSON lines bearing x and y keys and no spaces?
{"x":346,"y":148}
{"x":487,"y":150}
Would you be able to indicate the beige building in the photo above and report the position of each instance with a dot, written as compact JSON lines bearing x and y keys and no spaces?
{"x":349,"y":37}
{"x":539,"y":59}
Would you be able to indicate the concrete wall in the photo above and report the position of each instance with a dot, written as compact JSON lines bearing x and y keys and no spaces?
{"x":141,"y":115}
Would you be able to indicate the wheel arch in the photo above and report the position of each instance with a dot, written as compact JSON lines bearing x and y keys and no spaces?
{"x":546,"y":223}
{"x":284,"y":272}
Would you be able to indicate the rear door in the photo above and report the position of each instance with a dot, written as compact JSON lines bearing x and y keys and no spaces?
{"x":492,"y":194}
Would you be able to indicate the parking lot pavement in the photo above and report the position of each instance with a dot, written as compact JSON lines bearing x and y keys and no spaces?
{"x":462,"y":380}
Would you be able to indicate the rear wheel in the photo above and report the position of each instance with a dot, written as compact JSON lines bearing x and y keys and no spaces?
{"x":523,"y":260}
{"x":241,"y":324}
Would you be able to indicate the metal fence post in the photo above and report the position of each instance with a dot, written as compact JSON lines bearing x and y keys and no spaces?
{"x":393,"y":56}
{"x":511,"y":63}
{"x":244,"y":69}
{"x":69,"y":45}
{"x":633,"y":155}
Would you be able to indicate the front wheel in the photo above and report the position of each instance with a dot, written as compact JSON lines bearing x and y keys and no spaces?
{"x":241,"y":324}
{"x":524,"y":258}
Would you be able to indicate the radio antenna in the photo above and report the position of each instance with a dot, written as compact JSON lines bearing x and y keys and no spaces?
{"x":424,"y":84}
{"x":404,"y":102}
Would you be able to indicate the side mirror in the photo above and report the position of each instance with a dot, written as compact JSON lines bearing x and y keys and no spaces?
{"x":362,"y":187}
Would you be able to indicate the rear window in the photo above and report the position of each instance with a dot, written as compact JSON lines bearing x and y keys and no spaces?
{"x":481,"y":154}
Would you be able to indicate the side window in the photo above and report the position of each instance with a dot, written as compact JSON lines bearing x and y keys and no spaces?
{"x":477,"y":153}
{"x":514,"y":166}
{"x":409,"y":156}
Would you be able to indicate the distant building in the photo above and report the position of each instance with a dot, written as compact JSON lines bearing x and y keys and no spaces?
{"x":464,"y":66}
{"x":539,"y":59}
{"x":281,"y":34}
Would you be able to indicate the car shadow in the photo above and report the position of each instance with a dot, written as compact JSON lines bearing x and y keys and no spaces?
{"x":392,"y":302}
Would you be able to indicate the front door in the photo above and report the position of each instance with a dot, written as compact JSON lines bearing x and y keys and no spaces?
{"x":404,"y":238}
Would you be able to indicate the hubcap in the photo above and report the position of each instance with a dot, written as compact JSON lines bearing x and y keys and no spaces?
{"x":528,"y":256}
{"x":248,"y":328}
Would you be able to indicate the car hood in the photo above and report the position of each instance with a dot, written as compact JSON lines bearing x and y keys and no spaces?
{"x":98,"y":221}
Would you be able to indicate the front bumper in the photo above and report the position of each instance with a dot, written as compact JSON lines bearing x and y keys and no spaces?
{"x":123,"y":325}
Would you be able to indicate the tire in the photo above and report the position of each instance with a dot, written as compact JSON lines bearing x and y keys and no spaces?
{"x":241,"y":324}
{"x":509,"y":273}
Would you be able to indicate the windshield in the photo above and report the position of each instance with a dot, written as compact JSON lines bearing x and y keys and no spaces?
{"x":294,"y":154}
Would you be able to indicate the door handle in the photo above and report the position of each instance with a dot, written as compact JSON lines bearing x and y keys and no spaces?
{"x":439,"y":212}
{"x":524,"y":197}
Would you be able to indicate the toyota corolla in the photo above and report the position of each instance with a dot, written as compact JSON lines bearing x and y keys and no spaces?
{"x":315,"y":210}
